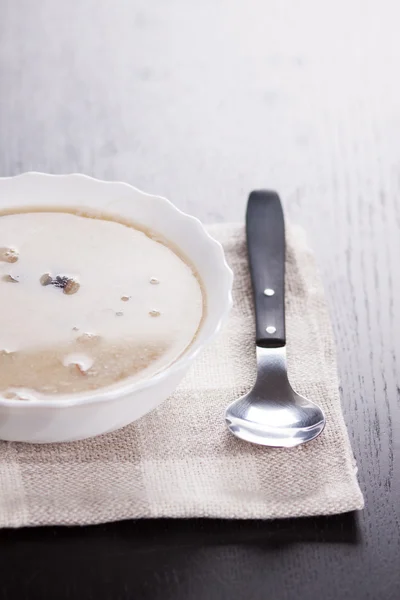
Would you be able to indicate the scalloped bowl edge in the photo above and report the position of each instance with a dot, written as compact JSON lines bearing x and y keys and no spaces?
{"x":64,"y":418}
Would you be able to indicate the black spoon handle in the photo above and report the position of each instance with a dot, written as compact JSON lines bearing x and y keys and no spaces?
{"x":265,"y":229}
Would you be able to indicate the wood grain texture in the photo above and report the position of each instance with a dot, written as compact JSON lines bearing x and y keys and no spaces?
{"x":202,"y":102}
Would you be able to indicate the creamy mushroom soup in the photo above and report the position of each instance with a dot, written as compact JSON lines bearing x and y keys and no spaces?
{"x":87,"y":301}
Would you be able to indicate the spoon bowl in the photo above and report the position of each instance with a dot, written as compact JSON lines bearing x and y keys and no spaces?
{"x":272,"y":413}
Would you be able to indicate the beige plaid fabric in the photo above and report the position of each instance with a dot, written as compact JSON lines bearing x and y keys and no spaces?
{"x":180,"y":460}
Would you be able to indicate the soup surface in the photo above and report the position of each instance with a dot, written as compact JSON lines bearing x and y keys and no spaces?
{"x":86,"y":302}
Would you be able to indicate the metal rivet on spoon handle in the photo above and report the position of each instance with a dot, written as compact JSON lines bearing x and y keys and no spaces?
{"x":272,"y":413}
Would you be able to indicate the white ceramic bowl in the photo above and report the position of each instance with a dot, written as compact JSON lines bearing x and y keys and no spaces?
{"x":68,"y":418}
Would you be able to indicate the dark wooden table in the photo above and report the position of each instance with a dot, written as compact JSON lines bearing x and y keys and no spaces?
{"x":201,"y":102}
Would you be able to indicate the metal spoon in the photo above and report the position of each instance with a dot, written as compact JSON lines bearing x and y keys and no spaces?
{"x":272,"y":413}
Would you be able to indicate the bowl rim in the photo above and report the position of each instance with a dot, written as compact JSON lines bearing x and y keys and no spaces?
{"x":183,"y":362}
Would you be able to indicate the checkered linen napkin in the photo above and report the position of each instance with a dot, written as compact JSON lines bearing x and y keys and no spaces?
{"x":180,"y":460}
